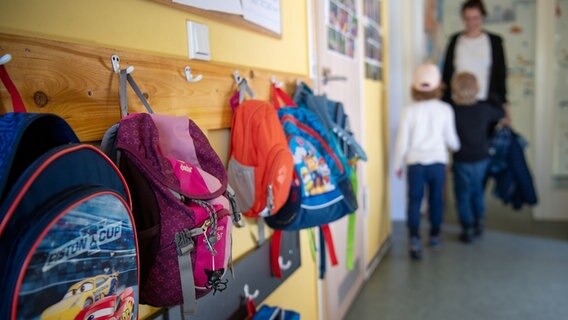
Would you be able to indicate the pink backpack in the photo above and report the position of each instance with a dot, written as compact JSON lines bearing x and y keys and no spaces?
{"x":181,"y":207}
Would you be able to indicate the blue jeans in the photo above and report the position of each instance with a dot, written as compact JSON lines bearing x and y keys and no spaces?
{"x":434,"y":177}
{"x":469,"y":192}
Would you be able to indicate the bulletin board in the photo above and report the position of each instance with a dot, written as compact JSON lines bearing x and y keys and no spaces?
{"x":342,"y":27}
{"x":560,"y":140}
{"x":262,"y":16}
{"x":373,"y":39}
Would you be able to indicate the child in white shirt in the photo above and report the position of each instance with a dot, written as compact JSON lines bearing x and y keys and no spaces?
{"x":427,"y":130}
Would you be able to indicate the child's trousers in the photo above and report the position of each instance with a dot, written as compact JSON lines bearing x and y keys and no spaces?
{"x":469,"y":192}
{"x":432,"y":176}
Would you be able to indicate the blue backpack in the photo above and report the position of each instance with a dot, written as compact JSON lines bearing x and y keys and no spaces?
{"x":67,"y":241}
{"x":321,"y":190}
{"x":275,"y":313}
{"x":333,"y":118}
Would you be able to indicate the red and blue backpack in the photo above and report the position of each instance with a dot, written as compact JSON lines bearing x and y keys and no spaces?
{"x":321,"y":190}
{"x":67,"y":242}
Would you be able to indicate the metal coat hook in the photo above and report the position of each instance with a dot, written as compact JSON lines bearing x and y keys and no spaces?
{"x":189,"y":77}
{"x":276,"y":83}
{"x":5,"y":59}
{"x":250,"y":296}
{"x":284,"y":266}
{"x":237,"y":77}
{"x":115,"y":60}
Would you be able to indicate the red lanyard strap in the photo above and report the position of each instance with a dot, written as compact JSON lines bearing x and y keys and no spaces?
{"x":17,"y":102}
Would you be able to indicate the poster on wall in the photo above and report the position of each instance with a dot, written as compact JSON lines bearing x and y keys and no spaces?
{"x":265,"y":13}
{"x":433,"y":29}
{"x":226,"y":6}
{"x":342,"y":27}
{"x":560,"y":140}
{"x":373,"y":39}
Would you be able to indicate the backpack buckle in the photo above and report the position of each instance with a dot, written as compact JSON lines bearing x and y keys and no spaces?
{"x":270,"y":199}
{"x":237,"y":214}
{"x":184,"y":242}
{"x":267,"y":211}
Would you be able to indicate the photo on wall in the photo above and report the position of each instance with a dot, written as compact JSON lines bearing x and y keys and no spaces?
{"x":342,"y":27}
{"x":373,"y":40}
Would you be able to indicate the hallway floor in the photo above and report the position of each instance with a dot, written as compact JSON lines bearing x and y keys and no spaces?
{"x":518,"y":274}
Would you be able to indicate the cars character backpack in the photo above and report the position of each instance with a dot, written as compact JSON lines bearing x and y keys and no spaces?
{"x":67,"y":240}
{"x":66,"y":233}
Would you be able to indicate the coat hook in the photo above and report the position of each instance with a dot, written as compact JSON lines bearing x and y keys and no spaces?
{"x":276,"y":83}
{"x":189,"y":77}
{"x":250,"y":296}
{"x":237,"y":77}
{"x":115,"y":60}
{"x":284,"y":266}
{"x":5,"y":59}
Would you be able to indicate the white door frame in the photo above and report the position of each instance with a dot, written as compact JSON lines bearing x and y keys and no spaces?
{"x":315,"y":75}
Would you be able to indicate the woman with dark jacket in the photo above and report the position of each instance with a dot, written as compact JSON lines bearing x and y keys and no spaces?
{"x":479,"y":52}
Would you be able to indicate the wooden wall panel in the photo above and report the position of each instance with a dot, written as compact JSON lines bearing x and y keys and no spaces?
{"x":81,"y":86}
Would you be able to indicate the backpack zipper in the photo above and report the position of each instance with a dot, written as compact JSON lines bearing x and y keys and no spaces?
{"x":267,"y":179}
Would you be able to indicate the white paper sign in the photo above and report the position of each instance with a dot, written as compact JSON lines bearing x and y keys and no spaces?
{"x":226,"y":6}
{"x":265,"y":13}
{"x":201,"y":4}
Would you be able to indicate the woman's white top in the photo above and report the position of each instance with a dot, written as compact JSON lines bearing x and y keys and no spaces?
{"x":474,"y":55}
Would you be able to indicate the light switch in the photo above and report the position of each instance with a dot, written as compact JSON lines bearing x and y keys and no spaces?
{"x":198,"y":41}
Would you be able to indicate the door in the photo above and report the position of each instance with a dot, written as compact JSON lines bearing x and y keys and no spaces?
{"x":340,"y":77}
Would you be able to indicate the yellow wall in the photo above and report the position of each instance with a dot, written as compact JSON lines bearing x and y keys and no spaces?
{"x":142,"y":25}
{"x":378,"y":221}
{"x":373,"y":172}
{"x":385,"y":223}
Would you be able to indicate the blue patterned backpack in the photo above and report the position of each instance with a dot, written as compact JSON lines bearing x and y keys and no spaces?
{"x":321,"y":190}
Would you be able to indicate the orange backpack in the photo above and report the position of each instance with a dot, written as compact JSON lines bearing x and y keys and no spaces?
{"x":261,"y":164}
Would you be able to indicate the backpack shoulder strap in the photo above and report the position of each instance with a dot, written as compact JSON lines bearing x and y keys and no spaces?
{"x":326,"y":240}
{"x":125,"y":76}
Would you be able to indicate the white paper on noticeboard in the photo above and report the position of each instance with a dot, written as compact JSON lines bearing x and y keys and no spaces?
{"x":226,"y":6}
{"x":265,"y":13}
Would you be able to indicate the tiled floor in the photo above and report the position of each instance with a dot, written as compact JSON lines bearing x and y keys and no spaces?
{"x":518,"y":270}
